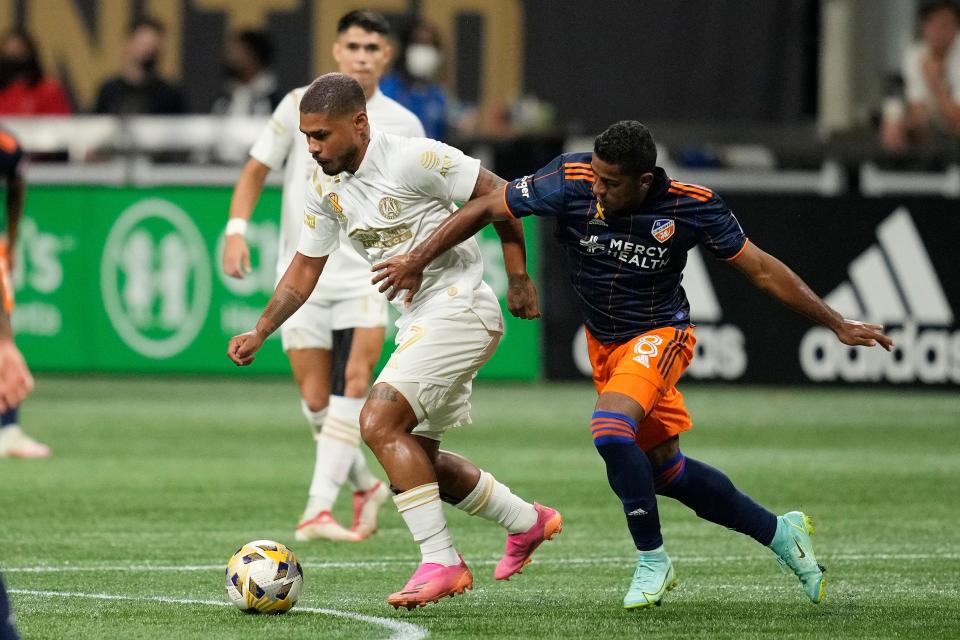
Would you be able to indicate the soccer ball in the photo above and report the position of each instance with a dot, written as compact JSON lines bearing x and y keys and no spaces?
{"x":264,"y":576}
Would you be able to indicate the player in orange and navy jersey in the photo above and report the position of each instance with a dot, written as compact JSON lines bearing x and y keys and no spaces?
{"x":626,"y":228}
{"x":14,"y":442}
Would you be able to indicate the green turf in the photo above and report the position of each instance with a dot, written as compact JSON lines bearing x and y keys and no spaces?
{"x":178,"y":473}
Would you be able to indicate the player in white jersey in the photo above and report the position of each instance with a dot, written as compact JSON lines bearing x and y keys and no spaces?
{"x":388,"y":194}
{"x":334,"y":340}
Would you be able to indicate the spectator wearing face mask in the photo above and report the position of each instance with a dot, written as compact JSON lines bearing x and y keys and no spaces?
{"x":412,"y":82}
{"x":138,"y":89}
{"x":24,"y":90}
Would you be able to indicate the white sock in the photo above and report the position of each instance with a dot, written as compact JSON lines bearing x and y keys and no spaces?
{"x":348,"y":409}
{"x":494,"y":501}
{"x":423,"y":512}
{"x":336,"y":445}
{"x":314,"y":418}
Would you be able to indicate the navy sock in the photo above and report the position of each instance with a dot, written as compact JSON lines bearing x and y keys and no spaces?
{"x":713,"y":497}
{"x":630,"y":475}
{"x":7,"y":632}
{"x":9,"y":417}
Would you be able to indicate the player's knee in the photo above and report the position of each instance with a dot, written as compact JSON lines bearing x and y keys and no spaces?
{"x":315,"y":401}
{"x":356,"y":379}
{"x":664,"y":452}
{"x":376,"y":428}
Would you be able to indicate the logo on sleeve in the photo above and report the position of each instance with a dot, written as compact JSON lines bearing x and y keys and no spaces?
{"x":389,"y":208}
{"x":523,"y":186}
{"x":335,"y":202}
{"x":310,"y":220}
{"x":663,"y":230}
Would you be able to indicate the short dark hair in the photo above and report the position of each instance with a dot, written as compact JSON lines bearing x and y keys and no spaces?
{"x":628,"y":144}
{"x":146,"y":21}
{"x":259,"y":44}
{"x":365,"y":19}
{"x":335,"y":94}
{"x":927,"y":9}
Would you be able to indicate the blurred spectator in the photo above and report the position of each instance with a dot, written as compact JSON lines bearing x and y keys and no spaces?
{"x":139,"y":89}
{"x":931,"y":76}
{"x":412,"y":82}
{"x":251,"y":89}
{"x":24,"y":90}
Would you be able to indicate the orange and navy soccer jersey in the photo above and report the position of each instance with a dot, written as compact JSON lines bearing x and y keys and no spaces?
{"x":10,"y":156}
{"x":626,"y":267}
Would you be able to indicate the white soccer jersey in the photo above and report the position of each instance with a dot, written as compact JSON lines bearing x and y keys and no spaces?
{"x":346,"y":275}
{"x":403,"y":189}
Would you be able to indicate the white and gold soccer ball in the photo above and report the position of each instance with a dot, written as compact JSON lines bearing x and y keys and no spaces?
{"x":264,"y":576}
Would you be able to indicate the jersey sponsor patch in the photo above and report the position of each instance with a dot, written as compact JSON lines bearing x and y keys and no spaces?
{"x":382,"y":238}
{"x":663,"y":229}
{"x":310,"y":220}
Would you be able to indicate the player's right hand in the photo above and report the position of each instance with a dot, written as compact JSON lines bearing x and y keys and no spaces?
{"x":243,"y":347}
{"x":236,"y":257}
{"x":15,"y":379}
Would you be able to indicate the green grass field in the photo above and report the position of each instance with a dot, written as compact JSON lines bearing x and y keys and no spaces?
{"x":155,"y":482}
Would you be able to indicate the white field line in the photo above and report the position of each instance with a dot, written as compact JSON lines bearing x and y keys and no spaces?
{"x":411,"y":561}
{"x":401,"y":630}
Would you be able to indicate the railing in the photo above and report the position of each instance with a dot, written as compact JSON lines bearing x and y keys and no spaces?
{"x":208,"y":150}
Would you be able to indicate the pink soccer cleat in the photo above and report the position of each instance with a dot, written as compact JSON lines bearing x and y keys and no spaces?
{"x":323,"y":526}
{"x":366,"y":504}
{"x":430,"y":582}
{"x":14,"y":443}
{"x":520,"y":546}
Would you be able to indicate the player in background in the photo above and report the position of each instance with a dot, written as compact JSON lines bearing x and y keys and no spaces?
{"x":388,"y":193}
{"x":14,"y":443}
{"x":15,"y":383}
{"x":334,"y":341}
{"x":626,"y":228}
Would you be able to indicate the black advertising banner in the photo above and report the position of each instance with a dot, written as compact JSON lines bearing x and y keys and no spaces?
{"x":888,"y":260}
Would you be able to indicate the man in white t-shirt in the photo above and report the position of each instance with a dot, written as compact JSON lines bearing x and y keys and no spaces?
{"x":334,"y":341}
{"x":931,"y":78}
{"x":389,"y":193}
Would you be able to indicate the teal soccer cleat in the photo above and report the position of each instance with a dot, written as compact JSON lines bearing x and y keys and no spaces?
{"x":652,"y":578}
{"x":794,"y":549}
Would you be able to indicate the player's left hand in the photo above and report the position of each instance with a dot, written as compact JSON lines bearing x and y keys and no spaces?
{"x":522,"y":298}
{"x":865,"y":334}
{"x":398,"y":273}
{"x":15,"y":379}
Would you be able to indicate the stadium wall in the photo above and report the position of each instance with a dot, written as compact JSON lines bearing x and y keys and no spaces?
{"x":891,"y":260}
{"x":129,"y":280}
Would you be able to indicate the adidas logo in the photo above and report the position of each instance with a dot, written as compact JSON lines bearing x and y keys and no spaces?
{"x":893,"y":282}
{"x":637,"y":512}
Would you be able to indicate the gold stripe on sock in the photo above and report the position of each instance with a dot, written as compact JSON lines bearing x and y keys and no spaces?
{"x":423,"y":494}
{"x":487,"y":491}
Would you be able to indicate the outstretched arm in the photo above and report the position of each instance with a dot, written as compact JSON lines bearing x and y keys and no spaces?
{"x":485,"y":206}
{"x":778,"y":280}
{"x":292,"y":291}
{"x":15,"y":379}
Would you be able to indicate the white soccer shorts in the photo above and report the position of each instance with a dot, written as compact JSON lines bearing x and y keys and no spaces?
{"x":313,"y":324}
{"x":437,"y":357}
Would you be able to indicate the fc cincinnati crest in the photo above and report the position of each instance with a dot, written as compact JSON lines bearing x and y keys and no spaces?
{"x":663,"y":230}
{"x":389,"y":208}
